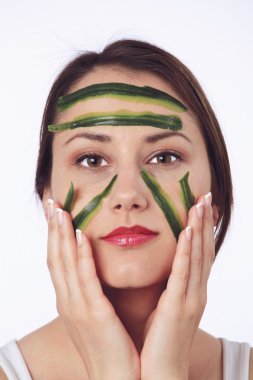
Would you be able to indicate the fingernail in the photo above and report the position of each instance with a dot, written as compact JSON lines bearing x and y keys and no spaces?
{"x":59,"y":214}
{"x":199,"y":208}
{"x":188,"y":233}
{"x":79,"y":237}
{"x":50,"y":208}
{"x":208,"y":199}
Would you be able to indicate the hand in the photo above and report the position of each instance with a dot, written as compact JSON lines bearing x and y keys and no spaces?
{"x":102,"y":341}
{"x":171,"y":327}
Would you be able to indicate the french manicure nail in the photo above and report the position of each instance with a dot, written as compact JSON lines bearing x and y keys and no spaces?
{"x":59,"y":214}
{"x":50,"y":207}
{"x":208,"y":199}
{"x":79,"y":237}
{"x":188,"y":233}
{"x":199,"y":208}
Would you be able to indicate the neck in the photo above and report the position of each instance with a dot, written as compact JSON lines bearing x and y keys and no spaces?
{"x":134,"y":306}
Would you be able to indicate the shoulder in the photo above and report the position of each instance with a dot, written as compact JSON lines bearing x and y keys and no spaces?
{"x":206,"y":357}
{"x":251,"y":364}
{"x":40,"y":349}
{"x":2,"y":375}
{"x":45,"y":351}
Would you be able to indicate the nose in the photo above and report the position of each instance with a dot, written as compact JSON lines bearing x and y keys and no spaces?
{"x":128,"y":192}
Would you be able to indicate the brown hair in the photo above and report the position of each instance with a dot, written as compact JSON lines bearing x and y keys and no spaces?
{"x":143,"y":56}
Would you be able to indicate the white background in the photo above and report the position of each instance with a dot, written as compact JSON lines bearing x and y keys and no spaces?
{"x":214,"y":39}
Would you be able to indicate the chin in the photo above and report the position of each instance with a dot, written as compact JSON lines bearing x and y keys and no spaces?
{"x":133,"y":268}
{"x":128,"y":277}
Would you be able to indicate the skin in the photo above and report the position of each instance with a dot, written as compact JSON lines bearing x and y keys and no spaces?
{"x":134,"y":279}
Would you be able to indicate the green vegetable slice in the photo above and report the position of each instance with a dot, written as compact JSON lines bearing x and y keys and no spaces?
{"x":92,"y":208}
{"x":164,"y":202}
{"x":172,"y":122}
{"x":69,"y":201}
{"x":186,"y":194}
{"x":144,"y":94}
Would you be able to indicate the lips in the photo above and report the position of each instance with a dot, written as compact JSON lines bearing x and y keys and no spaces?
{"x":137,"y":229}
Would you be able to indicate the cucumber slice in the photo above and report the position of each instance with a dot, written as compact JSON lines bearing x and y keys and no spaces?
{"x":172,"y":122}
{"x":186,"y":194}
{"x":83,"y":218}
{"x":164,"y":202}
{"x":69,"y":201}
{"x":124,"y":91}
{"x":161,"y":197}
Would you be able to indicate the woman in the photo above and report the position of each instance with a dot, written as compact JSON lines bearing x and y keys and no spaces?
{"x":130,"y":305}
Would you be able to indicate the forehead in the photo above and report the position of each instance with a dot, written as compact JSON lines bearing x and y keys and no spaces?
{"x":123,"y":75}
{"x":107,"y":104}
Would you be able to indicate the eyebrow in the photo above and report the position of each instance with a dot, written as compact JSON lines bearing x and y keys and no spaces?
{"x":106,"y":139}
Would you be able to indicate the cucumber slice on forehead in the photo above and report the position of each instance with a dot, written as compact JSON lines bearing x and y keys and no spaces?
{"x":172,"y":122}
{"x":123,"y":91}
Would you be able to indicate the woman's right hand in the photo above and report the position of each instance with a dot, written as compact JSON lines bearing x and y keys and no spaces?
{"x":102,"y":341}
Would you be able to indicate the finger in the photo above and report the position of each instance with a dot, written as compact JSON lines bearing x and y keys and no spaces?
{"x":177,"y":283}
{"x":208,"y":241}
{"x":68,"y":252}
{"x":90,"y":284}
{"x":195,"y":219}
{"x":54,"y":261}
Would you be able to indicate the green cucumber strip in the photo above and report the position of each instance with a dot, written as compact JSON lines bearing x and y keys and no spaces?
{"x":69,"y":201}
{"x":186,"y":194}
{"x":164,"y":202}
{"x":83,"y":218}
{"x":172,"y":122}
{"x":124,"y":91}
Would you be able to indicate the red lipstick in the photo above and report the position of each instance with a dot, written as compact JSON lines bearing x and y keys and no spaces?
{"x":126,"y":236}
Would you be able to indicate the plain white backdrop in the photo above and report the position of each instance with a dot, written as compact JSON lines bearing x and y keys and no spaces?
{"x":214,"y":38}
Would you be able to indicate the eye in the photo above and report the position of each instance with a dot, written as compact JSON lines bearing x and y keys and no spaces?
{"x":93,"y":161}
{"x":168,"y":157}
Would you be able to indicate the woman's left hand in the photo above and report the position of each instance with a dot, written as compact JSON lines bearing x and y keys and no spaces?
{"x":172,"y":326}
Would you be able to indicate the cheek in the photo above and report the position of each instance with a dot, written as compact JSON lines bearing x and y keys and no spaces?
{"x":200,"y":179}
{"x":62,"y":176}
{"x":199,"y":182}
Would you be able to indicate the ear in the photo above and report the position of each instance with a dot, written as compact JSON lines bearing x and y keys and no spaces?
{"x":46,"y":194}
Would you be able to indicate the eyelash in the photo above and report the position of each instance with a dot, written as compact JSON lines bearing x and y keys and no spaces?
{"x":77,"y":161}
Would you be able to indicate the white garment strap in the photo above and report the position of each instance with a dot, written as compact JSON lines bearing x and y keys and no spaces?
{"x":12,"y":362}
{"x":236,"y":357}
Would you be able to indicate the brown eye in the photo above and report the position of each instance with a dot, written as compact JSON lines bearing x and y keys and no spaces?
{"x":93,"y":161}
{"x":167,"y":157}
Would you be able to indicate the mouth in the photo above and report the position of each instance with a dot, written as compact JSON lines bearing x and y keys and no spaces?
{"x":130,"y":236}
{"x":129,"y":239}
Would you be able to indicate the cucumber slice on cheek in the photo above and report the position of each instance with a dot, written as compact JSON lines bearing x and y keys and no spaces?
{"x":69,"y":201}
{"x":163,"y":200}
{"x":186,"y":194}
{"x":91,"y":209}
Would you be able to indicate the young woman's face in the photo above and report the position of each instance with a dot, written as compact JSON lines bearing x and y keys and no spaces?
{"x":130,"y":201}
